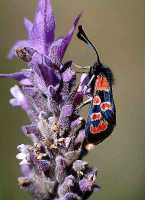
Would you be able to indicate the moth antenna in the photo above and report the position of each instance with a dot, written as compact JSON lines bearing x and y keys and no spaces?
{"x":82,"y":36}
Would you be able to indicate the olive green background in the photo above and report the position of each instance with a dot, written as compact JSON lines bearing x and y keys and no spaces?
{"x":117,"y":28}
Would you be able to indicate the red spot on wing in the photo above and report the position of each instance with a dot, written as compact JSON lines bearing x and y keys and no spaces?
{"x":106,"y":106}
{"x":96,"y":116}
{"x":93,"y":129}
{"x":103,"y":125}
{"x":102,"y":83}
{"x":96,"y":100}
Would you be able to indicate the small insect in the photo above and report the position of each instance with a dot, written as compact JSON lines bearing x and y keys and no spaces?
{"x":102,"y":113}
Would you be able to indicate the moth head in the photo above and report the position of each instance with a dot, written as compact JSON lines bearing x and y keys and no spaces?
{"x":97,"y":67}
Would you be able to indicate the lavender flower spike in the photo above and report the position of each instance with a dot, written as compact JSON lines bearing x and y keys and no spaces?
{"x":51,"y":166}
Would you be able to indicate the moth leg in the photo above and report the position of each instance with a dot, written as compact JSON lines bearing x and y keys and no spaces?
{"x":80,"y":72}
{"x":81,"y":67}
{"x":88,"y":84}
{"x":88,"y":101}
{"x":90,"y":81}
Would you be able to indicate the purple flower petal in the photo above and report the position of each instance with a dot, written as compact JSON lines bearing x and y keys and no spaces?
{"x":46,"y":72}
{"x":66,"y":186}
{"x":58,"y":47}
{"x":60,"y":168}
{"x":68,"y":75}
{"x":81,"y":137}
{"x":38,"y":80}
{"x":51,"y":91}
{"x":44,"y":165}
{"x":66,"y":111}
{"x":77,"y":122}
{"x":43,"y":77}
{"x":71,"y":196}
{"x":50,"y":76}
{"x":44,"y":23}
{"x":24,"y":154}
{"x":53,"y":99}
{"x":86,"y":185}
{"x":26,"y":170}
{"x":64,"y":119}
{"x":29,"y":90}
{"x":71,"y":156}
{"x":19,"y":98}
{"x":19,"y":76}
{"x":31,"y":129}
{"x":26,"y":82}
{"x":28,"y":26}
{"x":80,"y":165}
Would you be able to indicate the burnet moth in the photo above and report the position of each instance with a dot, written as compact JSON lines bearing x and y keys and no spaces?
{"x":102,"y":113}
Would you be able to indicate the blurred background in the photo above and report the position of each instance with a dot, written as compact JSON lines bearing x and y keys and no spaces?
{"x":117,"y":28}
